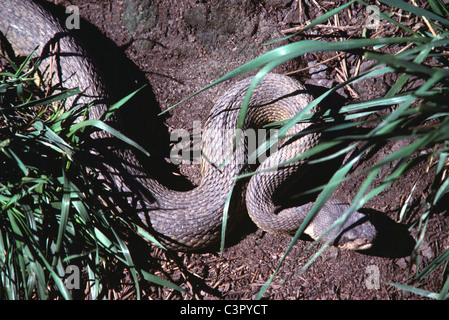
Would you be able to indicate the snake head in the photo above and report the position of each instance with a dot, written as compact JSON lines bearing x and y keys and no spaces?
{"x":356,"y":233}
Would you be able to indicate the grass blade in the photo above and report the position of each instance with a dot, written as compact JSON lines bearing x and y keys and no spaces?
{"x":103,"y":126}
{"x":162,"y":282}
{"x":64,"y":217}
{"x":420,"y":12}
{"x":119,"y":104}
{"x":421,"y":292}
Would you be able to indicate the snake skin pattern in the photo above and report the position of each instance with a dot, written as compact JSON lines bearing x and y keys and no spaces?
{"x":193,"y":219}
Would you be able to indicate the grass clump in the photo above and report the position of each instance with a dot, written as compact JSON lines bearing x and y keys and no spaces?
{"x":415,"y":109}
{"x":58,"y":239}
{"x":48,"y":229}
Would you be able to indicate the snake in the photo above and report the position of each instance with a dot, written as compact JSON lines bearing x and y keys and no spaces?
{"x":193,"y":219}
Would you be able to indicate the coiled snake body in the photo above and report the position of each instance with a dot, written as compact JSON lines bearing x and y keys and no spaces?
{"x":193,"y":219}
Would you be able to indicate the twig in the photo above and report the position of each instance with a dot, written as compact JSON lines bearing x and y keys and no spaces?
{"x":351,"y":91}
{"x":322,"y":26}
{"x":317,"y":64}
{"x":426,"y":21}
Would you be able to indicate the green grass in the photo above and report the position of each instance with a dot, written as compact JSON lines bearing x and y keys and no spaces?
{"x":418,"y":114}
{"x":50,"y":214}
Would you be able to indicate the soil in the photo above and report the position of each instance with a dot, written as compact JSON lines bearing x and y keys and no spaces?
{"x":177,"y":47}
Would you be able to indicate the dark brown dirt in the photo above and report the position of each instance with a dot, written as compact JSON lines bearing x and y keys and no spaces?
{"x":180,"y":46}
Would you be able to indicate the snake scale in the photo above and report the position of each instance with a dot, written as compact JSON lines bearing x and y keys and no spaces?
{"x":192,"y":219}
